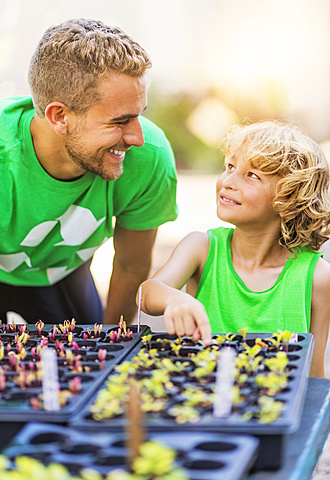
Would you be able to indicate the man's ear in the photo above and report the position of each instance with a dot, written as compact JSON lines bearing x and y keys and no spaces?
{"x":57,"y":116}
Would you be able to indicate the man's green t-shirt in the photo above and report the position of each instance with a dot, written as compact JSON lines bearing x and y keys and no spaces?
{"x":49,"y":227}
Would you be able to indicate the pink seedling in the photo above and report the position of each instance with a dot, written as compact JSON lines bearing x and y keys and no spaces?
{"x":35,"y":403}
{"x":13,"y":326}
{"x":74,"y":345}
{"x":26,"y":379}
{"x":68,"y":326}
{"x":115,"y":336}
{"x":70,"y":357}
{"x":22,"y":355}
{"x":39,"y":326}
{"x":21,"y":328}
{"x":75,"y":385}
{"x":23,"y":338}
{"x":63,"y":330}
{"x":39,"y":349}
{"x":77,"y":367}
{"x":128,"y":334}
{"x":71,"y":326}
{"x":97,"y":330}
{"x":59,"y":347}
{"x":122,"y":324}
{"x":43,"y":342}
{"x":34,"y":352}
{"x":13,"y":360}
{"x":2,"y":380}
{"x":52,"y":333}
{"x":102,"y":354}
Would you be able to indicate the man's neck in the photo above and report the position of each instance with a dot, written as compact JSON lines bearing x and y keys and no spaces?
{"x":50,"y":152}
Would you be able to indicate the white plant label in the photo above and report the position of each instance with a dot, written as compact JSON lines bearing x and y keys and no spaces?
{"x":50,"y":384}
{"x":224,"y":383}
{"x":294,"y":338}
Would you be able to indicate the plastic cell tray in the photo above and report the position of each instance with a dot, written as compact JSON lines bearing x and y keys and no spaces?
{"x":203,"y":455}
{"x":15,"y":402}
{"x":272,"y":436}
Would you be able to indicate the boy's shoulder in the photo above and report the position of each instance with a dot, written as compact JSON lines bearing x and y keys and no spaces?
{"x":321,"y":279}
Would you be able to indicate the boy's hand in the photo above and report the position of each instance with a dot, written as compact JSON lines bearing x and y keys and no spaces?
{"x":187,"y":316}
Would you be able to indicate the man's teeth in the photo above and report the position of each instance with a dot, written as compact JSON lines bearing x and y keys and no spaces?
{"x":117,"y":152}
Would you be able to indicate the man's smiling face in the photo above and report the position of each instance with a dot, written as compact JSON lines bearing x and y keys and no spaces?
{"x":98,"y":139}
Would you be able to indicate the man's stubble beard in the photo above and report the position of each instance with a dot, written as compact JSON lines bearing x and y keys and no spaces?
{"x":92,"y":164}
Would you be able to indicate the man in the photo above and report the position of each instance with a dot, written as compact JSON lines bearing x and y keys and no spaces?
{"x":76,"y":158}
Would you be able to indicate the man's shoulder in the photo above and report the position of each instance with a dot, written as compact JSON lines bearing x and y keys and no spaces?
{"x":153,"y":135}
{"x":11,"y":105}
{"x":12,"y":111}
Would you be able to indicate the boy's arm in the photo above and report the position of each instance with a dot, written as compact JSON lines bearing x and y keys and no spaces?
{"x":162,"y":295}
{"x":320,"y":316}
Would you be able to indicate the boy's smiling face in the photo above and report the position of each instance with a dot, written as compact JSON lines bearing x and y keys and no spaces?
{"x":245,"y":194}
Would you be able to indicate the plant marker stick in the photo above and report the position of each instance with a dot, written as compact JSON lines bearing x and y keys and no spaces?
{"x":224,"y":383}
{"x":134,"y":423}
{"x":139,"y":309}
{"x":294,"y":338}
{"x":50,"y":385}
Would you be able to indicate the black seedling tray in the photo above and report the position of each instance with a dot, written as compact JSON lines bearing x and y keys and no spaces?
{"x":203,"y":455}
{"x":272,"y":435}
{"x":15,"y":401}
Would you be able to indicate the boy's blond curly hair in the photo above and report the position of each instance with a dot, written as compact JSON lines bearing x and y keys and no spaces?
{"x":302,"y":193}
{"x":73,"y":56}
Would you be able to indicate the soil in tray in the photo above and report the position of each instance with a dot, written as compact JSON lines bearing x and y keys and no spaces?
{"x":84,"y":354}
{"x":202,"y":455}
{"x":177,"y":378}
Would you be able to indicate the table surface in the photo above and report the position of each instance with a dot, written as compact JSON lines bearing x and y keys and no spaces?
{"x":304,"y":447}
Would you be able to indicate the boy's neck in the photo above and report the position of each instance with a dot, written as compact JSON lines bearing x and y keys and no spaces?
{"x":254,"y":249}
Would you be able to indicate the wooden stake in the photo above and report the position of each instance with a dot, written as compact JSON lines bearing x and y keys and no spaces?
{"x":134,"y":423}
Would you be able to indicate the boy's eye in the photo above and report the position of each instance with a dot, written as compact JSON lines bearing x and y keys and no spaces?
{"x":230,"y":166}
{"x":253,"y":175}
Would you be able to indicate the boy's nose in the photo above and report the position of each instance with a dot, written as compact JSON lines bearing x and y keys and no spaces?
{"x":230,"y":181}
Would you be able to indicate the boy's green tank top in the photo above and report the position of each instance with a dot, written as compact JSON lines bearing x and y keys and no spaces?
{"x":230,"y":305}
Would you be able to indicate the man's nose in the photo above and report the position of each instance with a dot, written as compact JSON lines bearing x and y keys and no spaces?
{"x":133,"y":134}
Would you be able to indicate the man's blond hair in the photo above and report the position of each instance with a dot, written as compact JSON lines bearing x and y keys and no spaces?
{"x":72,"y":57}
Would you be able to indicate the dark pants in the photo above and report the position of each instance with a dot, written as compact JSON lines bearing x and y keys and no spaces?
{"x":73,"y":297}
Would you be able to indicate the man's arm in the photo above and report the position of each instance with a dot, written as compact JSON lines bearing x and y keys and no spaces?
{"x":131,"y":265}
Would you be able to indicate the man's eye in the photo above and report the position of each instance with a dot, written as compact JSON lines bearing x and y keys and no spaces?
{"x":123,"y":122}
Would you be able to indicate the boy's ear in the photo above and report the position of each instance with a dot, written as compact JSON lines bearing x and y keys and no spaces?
{"x":57,"y":116}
